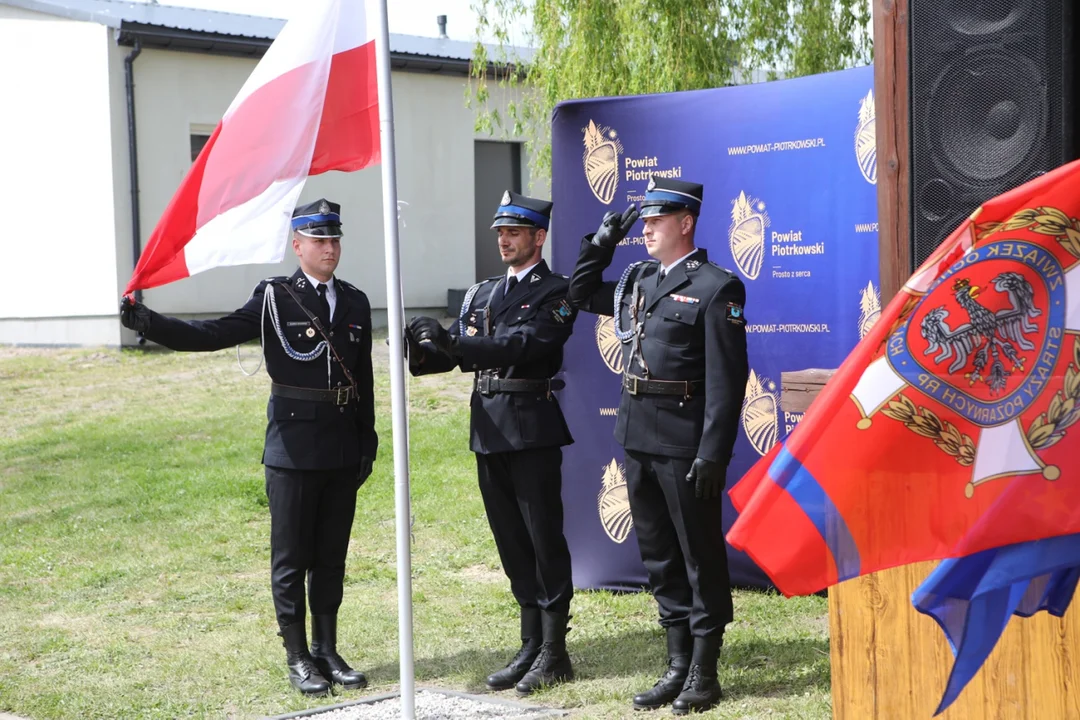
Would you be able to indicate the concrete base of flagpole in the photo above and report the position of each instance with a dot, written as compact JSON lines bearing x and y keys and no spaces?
{"x":431,"y":704}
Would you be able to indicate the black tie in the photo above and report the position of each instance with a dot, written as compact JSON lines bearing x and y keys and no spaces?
{"x":324,"y":305}
{"x":663,"y":274}
{"x":510,"y":283}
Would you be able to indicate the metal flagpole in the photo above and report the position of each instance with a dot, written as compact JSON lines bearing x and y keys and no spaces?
{"x":395,"y":318}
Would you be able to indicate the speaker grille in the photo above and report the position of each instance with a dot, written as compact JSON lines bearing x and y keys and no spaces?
{"x":991,"y":105}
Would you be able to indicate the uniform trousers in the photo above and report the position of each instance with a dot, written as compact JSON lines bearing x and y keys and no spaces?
{"x":522,"y":494}
{"x":311,"y":516}
{"x":681,"y":540}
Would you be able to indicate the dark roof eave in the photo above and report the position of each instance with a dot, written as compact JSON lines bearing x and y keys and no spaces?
{"x":154,"y":36}
{"x":163,"y":38}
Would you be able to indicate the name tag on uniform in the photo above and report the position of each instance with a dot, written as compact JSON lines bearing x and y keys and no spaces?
{"x":685,"y":299}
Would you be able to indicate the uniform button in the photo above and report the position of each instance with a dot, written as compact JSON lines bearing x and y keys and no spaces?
{"x":474,"y":366}
{"x":680,"y":404}
{"x":677,"y":316}
{"x":331,"y":333}
{"x":339,"y":383}
{"x":341,"y":409}
{"x":292,"y":414}
{"x":648,"y":315}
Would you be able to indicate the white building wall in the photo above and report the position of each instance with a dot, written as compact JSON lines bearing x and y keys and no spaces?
{"x":56,"y":164}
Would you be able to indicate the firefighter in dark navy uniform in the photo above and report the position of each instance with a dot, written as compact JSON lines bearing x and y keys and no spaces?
{"x":510,"y":334}
{"x":681,"y":324}
{"x":320,"y":436}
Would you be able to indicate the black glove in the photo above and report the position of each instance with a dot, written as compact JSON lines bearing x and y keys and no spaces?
{"x":615,"y":227}
{"x":134,"y":315}
{"x":413,"y":352}
{"x":429,"y":330}
{"x":708,"y":478}
{"x":364,"y":471}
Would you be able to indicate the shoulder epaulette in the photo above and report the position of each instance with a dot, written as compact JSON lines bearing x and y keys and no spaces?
{"x":268,"y":281}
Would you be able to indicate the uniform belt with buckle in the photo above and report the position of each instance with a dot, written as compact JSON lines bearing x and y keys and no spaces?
{"x":641,"y":386}
{"x":488,"y":385}
{"x":338,"y":396}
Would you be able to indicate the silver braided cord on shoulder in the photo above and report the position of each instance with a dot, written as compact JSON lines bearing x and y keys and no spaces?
{"x":620,"y":290}
{"x":270,"y":301}
{"x":276,"y":322}
{"x":469,"y":295}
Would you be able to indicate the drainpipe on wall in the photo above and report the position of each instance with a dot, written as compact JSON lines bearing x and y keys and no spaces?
{"x":133,"y":161}
{"x":133,"y":166}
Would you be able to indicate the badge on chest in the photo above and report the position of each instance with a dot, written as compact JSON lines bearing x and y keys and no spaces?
{"x":476,"y":322}
{"x":300,"y":329}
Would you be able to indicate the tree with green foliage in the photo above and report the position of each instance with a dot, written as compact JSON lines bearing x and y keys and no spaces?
{"x":603,"y":48}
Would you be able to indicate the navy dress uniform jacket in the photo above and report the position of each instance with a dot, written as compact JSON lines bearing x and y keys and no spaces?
{"x":694,"y":330}
{"x":528,"y":328}
{"x":300,"y":434}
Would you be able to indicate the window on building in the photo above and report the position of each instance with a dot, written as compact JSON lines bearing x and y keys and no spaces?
{"x":198,"y":142}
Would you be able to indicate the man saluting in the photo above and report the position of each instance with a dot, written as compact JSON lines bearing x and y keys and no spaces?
{"x":680,"y":321}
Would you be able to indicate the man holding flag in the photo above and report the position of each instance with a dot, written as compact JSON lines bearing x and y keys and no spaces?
{"x":311,"y":105}
{"x":320,"y":437}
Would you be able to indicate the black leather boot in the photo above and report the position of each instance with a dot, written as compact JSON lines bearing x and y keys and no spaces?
{"x":552,"y":663}
{"x":679,"y":648}
{"x":324,"y":651}
{"x":531,"y":636}
{"x":303,"y":674}
{"x":702,"y":690}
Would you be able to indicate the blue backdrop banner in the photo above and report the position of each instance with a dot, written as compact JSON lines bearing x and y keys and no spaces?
{"x":790,"y":204}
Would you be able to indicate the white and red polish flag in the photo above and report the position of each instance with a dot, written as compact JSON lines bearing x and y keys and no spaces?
{"x":311,"y":105}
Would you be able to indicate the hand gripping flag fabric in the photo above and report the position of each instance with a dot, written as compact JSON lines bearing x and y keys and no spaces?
{"x":310,"y":105}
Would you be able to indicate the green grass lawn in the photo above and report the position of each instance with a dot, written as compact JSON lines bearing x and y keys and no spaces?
{"x":134,"y":559}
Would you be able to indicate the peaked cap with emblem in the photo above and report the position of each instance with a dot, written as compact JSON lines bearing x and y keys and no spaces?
{"x":520,"y":211}
{"x":321,"y":218}
{"x":664,"y":197}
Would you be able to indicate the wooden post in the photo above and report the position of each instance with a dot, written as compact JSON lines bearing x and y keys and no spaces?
{"x":890,"y":661}
{"x":892,"y":110}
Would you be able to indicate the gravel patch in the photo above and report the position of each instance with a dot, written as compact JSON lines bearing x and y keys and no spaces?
{"x":432,"y":705}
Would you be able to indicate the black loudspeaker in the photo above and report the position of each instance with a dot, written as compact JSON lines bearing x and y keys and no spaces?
{"x":992,"y":104}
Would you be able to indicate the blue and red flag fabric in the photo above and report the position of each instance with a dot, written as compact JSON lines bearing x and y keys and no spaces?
{"x":950,"y":432}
